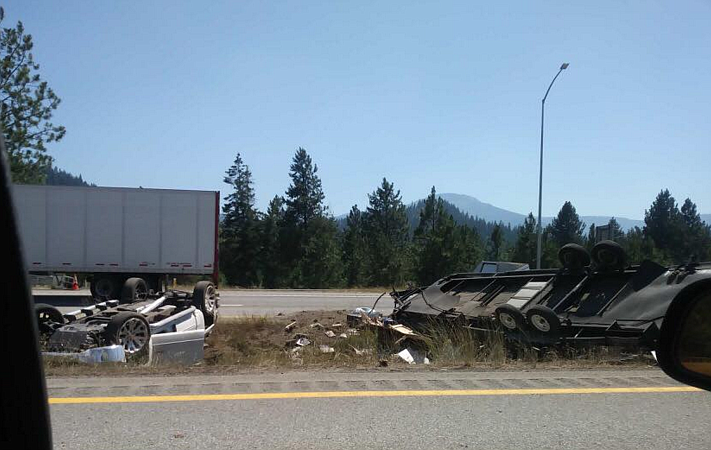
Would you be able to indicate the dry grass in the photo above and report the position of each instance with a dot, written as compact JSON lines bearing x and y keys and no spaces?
{"x":261,"y":343}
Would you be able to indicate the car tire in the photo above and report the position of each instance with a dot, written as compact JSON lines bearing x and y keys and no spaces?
{"x":130,"y":330}
{"x":609,"y":255}
{"x":543,"y":320}
{"x":134,"y":290}
{"x":510,"y":317}
{"x":205,"y":299}
{"x":573,"y":257}
{"x":47,"y":314}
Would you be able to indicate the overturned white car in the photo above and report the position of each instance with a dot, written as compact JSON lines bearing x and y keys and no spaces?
{"x":168,"y":326}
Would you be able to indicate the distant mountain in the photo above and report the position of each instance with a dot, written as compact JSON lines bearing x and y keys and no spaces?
{"x":482,"y":226}
{"x":476,"y":208}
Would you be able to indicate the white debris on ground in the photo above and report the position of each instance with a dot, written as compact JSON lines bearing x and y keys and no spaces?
{"x":412,"y":356}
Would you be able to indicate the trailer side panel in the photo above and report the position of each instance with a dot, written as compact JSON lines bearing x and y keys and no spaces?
{"x":84,"y":229}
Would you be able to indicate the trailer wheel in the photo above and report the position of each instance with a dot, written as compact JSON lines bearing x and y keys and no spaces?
{"x":134,"y":290}
{"x":609,"y":255}
{"x":510,"y":317}
{"x":573,"y":256}
{"x":130,"y":330}
{"x":47,"y":314}
{"x":104,"y":287}
{"x":543,"y":319}
{"x":205,"y":299}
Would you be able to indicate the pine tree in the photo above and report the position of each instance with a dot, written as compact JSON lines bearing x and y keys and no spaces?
{"x":387,"y":236}
{"x":435,"y":242}
{"x":590,"y":241}
{"x":663,"y":224}
{"x":549,"y":249}
{"x":240,"y":244}
{"x":26,"y":108}
{"x":639,"y":247}
{"x":270,"y":263}
{"x":304,"y":198}
{"x":495,"y":244}
{"x":695,"y":233}
{"x":567,"y":226}
{"x":354,"y":249}
{"x":615,"y":230}
{"x":306,"y":231}
{"x":320,"y":265}
{"x":525,"y":248}
{"x":468,"y":249}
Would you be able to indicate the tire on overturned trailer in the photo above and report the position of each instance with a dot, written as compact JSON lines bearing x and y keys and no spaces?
{"x":205,"y":299}
{"x":609,"y":255}
{"x":574,"y":257}
{"x":510,"y":317}
{"x":543,"y":320}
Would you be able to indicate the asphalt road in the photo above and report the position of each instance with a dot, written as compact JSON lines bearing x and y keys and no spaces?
{"x":253,"y":302}
{"x":493,"y":410}
{"x":271,"y":302}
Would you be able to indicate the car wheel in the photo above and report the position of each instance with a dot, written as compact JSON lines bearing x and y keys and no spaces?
{"x":205,"y":299}
{"x":134,"y":290}
{"x":47,"y":314}
{"x":130,"y":330}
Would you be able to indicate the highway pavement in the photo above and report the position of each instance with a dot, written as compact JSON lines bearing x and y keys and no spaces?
{"x":249,"y":302}
{"x":615,"y":409}
{"x":271,"y":302}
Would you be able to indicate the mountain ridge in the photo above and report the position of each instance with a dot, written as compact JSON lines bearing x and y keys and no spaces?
{"x":476,"y":208}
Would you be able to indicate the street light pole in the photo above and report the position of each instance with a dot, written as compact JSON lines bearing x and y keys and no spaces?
{"x":539,"y":228}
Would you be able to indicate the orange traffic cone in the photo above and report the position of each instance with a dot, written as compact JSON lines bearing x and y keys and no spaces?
{"x":75,"y":285}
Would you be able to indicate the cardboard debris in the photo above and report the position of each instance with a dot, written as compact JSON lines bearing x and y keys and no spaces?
{"x":303,"y":341}
{"x":316,"y":325}
{"x":330,"y":334}
{"x":337,"y":325}
{"x":290,"y":327}
{"x":343,"y":336}
{"x":326,"y":349}
{"x":402,"y":329}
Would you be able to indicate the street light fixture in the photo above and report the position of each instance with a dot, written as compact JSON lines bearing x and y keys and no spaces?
{"x":539,"y":228}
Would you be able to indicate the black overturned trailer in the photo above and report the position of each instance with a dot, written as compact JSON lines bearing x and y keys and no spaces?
{"x":586,"y":302}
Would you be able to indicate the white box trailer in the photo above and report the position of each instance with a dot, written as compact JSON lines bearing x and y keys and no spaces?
{"x":116,"y":233}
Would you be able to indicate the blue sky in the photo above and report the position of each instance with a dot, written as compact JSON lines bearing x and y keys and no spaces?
{"x":163,"y":94}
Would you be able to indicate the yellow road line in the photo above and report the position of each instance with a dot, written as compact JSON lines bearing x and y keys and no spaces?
{"x":356,"y":394}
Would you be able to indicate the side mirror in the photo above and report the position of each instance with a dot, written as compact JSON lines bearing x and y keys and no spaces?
{"x":684,"y":350}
